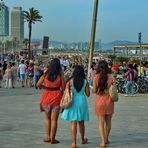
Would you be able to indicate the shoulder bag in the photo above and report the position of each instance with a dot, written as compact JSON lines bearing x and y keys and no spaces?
{"x":113,"y":92}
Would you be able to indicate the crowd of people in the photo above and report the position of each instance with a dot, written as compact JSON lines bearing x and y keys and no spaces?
{"x":71,"y":73}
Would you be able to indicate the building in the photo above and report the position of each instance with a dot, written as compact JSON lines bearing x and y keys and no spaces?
{"x":4,"y":20}
{"x":131,"y":50}
{"x":17,"y":23}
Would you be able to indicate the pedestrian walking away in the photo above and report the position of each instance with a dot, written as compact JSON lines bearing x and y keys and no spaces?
{"x":78,"y":112}
{"x":53,"y":84}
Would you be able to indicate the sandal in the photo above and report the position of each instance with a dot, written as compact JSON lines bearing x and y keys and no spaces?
{"x":85,"y":141}
{"x":74,"y":146}
{"x":55,"y":141}
{"x":102,"y":146}
{"x":107,"y":142}
{"x":47,"y":140}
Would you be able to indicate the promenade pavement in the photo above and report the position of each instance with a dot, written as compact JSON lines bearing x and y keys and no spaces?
{"x":22,"y":124}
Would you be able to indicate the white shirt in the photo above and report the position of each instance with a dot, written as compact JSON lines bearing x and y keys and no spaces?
{"x":61,"y":62}
{"x":22,"y":68}
{"x":65,"y":63}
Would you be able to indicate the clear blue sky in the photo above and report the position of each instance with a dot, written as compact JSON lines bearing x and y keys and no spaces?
{"x":70,"y":20}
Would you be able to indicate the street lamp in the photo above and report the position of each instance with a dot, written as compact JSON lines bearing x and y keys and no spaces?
{"x":93,"y":32}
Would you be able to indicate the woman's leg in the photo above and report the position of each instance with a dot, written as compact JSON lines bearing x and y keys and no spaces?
{"x":82,"y":132}
{"x":54,"y":126}
{"x":74,"y":132}
{"x":102,"y":129}
{"x":108,"y":126}
{"x":48,"y":127}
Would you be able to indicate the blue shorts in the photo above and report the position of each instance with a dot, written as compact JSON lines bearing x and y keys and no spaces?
{"x":22,"y":77}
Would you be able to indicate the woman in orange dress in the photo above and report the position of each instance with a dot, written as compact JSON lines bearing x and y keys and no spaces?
{"x":53,"y":84}
{"x":104,"y":106}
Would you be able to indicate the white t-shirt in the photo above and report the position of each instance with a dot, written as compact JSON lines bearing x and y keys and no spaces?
{"x":65,"y":63}
{"x":61,"y":62}
{"x":22,"y":68}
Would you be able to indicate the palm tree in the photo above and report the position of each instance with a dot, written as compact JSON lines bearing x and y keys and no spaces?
{"x":25,"y":42}
{"x":32,"y":16}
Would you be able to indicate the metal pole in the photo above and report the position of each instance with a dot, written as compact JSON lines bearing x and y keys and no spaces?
{"x":140,"y":57}
{"x":93,"y":31}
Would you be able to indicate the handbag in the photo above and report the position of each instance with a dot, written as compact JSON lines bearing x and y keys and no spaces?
{"x":113,"y":92}
{"x":66,"y":99}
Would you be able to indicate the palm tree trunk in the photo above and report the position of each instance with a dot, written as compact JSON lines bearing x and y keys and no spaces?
{"x":29,"y":44}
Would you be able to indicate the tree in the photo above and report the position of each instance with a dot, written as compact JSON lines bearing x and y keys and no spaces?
{"x":31,"y":16}
{"x":112,"y":57}
{"x":25,"y":42}
{"x":122,"y":59}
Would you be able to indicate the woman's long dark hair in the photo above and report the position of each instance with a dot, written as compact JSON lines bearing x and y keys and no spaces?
{"x":54,"y":70}
{"x":102,"y":70}
{"x":78,"y":77}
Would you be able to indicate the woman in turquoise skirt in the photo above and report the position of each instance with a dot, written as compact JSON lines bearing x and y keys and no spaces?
{"x":77,"y":113}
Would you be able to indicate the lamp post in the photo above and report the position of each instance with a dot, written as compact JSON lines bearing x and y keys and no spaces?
{"x":93,"y":32}
{"x":140,"y":41}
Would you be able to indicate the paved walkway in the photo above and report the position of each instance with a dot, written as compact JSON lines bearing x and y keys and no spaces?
{"x":22,"y":125}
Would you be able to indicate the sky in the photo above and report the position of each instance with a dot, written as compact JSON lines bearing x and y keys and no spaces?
{"x":70,"y":20}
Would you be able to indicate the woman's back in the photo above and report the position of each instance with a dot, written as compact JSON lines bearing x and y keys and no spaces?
{"x":55,"y":83}
{"x":81,"y":92}
{"x":52,"y":97}
{"x":103,"y":102}
{"x":78,"y":110}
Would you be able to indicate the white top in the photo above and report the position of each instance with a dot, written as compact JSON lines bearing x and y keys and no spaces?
{"x":66,"y":63}
{"x":22,"y":68}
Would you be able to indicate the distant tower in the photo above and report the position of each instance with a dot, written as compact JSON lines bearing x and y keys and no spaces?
{"x":4,"y":19}
{"x":17,"y":23}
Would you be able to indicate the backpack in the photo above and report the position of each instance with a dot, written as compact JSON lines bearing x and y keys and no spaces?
{"x":31,"y":72}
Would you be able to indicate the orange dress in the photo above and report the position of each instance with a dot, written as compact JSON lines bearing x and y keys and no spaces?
{"x":50,"y":100}
{"x":103,"y":103}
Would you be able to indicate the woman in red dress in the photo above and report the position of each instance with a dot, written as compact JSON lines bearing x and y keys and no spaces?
{"x":53,"y":84}
{"x":104,"y":106}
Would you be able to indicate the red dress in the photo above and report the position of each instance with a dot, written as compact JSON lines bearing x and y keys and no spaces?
{"x":50,"y":100}
{"x":103,"y":103}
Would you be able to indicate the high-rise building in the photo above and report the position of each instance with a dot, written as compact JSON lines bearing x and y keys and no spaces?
{"x":17,"y":23}
{"x":4,"y":19}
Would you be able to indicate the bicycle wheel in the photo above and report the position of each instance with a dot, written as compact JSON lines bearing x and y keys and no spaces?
{"x":136,"y":87}
{"x":144,"y":88}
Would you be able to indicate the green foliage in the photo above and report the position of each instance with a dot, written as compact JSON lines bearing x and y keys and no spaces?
{"x":31,"y":16}
{"x":122,"y":59}
{"x":112,"y":57}
{"x":25,"y":42}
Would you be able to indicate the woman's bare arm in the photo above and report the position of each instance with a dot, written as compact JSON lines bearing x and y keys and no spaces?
{"x":87,"y":90}
{"x":63,"y":85}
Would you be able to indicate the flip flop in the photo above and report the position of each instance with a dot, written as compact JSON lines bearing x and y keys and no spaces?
{"x":85,"y":141}
{"x":55,"y":142}
{"x":47,"y":140}
{"x":102,"y":146}
{"x":108,"y":142}
{"x":74,"y":146}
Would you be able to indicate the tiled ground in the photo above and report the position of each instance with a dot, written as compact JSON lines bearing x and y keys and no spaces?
{"x":22,"y":125}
